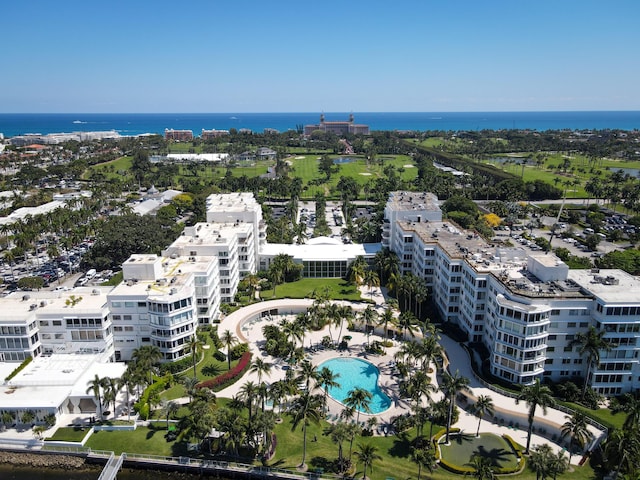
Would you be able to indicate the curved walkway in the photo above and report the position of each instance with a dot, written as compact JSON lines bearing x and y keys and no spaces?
{"x":509,"y":418}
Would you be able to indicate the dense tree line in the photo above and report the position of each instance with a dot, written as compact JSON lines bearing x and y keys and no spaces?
{"x":119,"y":237}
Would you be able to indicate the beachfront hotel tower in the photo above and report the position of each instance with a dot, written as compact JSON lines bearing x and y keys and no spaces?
{"x":338,"y":127}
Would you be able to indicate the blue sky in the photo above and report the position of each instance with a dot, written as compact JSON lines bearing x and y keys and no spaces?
{"x":304,"y":56}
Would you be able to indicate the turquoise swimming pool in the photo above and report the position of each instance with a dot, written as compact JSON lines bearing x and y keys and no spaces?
{"x":355,"y":372}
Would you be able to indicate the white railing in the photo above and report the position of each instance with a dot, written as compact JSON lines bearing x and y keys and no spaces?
{"x":509,"y":394}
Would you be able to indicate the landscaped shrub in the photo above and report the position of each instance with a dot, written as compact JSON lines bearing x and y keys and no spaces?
{"x":19,"y":368}
{"x":517,"y":449}
{"x":219,"y":356}
{"x":142,"y":405}
{"x":227,"y":378}
{"x":213,"y":334}
{"x":177,"y":366}
{"x":460,"y":470}
{"x":239,"y":350}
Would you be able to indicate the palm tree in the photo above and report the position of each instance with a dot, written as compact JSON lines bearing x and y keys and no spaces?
{"x":367,"y":454}
{"x":27,"y":417}
{"x":190,"y":384}
{"x":385,"y":319}
{"x":535,"y":395}
{"x":482,"y":468}
{"x":429,"y":350}
{"x":407,"y":322}
{"x":346,"y":312}
{"x":305,"y":409}
{"x":540,"y":460}
{"x":424,"y":457}
{"x":194,"y":346}
{"x":359,"y":399}
{"x":357,"y":270}
{"x":8,"y":417}
{"x":111,"y":387}
{"x":421,"y":294}
{"x":248,"y":392}
{"x":260,"y":367}
{"x":126,"y":380}
{"x":558,"y":464}
{"x":95,"y":386}
{"x":576,"y":428}
{"x":451,"y":385}
{"x":146,"y":357}
{"x":169,"y":408}
{"x":483,"y":406}
{"x":371,"y":279}
{"x":368,"y":316}
{"x":590,"y":344}
{"x":417,"y":385}
{"x":277,"y":392}
{"x":339,"y":432}
{"x":228,"y":340}
{"x":292,"y":331}
{"x":307,"y":373}
{"x":622,"y":450}
{"x":326,"y":379}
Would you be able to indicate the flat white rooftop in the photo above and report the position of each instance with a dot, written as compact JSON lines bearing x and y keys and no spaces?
{"x":199,"y":157}
{"x":612,"y":285}
{"x":18,"y":305}
{"x":50,"y":380}
{"x":321,"y":252}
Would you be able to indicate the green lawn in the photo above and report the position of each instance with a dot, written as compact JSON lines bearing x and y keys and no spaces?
{"x":602,"y":415}
{"x":142,"y":440}
{"x":395,"y":450}
{"x":177,"y":390}
{"x":304,"y":288}
{"x":110,"y":169}
{"x":360,"y":170}
{"x":464,"y":446}
{"x":69,"y":434}
{"x":578,"y":169}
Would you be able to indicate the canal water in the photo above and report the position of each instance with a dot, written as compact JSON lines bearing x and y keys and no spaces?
{"x":89,"y":472}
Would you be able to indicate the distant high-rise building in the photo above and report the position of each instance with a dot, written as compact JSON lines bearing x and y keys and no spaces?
{"x":178,"y":135}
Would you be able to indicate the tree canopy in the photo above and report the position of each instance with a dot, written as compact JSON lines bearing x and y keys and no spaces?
{"x":119,"y":237}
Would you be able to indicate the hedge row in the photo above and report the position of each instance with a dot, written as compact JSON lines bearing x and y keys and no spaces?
{"x":517,"y":449}
{"x":227,"y":378}
{"x":142,"y":405}
{"x":465,"y":470}
{"x":19,"y":368}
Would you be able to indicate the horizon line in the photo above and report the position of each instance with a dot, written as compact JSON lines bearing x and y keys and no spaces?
{"x":318,"y":112}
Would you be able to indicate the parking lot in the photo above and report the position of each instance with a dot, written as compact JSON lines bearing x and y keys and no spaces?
{"x":566,"y":236}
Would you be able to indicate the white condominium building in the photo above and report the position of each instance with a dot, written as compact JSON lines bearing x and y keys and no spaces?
{"x":524,"y":308}
{"x":239,"y":208}
{"x":156,"y":304}
{"x":55,"y":322}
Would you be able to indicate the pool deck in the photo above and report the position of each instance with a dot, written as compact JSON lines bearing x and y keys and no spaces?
{"x":247,"y":324}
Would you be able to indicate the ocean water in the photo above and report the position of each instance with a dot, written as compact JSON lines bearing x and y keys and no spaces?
{"x":12,"y":124}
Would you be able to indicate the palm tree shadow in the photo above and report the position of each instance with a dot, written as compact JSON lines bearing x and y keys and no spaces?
{"x":321,"y":462}
{"x":463,"y":437}
{"x":496,"y":455}
{"x":401,"y":446}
